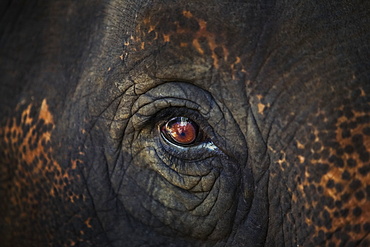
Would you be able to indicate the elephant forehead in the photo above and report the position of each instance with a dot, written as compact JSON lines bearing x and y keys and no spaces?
{"x":191,"y":34}
{"x":188,"y":31}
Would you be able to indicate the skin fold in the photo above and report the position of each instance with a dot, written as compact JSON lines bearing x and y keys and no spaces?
{"x":278,"y":92}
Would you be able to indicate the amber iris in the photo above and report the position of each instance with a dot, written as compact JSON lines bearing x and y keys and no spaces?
{"x":181,"y":130}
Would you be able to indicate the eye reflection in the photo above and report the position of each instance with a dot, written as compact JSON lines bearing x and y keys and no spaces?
{"x":181,"y":130}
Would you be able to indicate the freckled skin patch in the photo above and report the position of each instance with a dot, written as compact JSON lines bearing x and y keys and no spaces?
{"x":261,"y":105}
{"x":335,"y":170}
{"x":36,"y":185}
{"x":331,"y":203}
{"x":188,"y":32}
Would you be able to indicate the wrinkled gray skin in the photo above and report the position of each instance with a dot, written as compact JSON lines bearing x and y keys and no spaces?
{"x":280,"y":92}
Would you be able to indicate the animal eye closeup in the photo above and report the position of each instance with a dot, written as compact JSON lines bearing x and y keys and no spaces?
{"x":182,"y":137}
{"x":181,"y":131}
{"x":182,"y":161}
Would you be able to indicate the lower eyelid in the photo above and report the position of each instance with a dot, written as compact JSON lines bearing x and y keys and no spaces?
{"x":204,"y":150}
{"x":190,"y":167}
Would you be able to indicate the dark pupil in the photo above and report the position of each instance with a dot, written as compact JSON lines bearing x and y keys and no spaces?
{"x":181,"y":130}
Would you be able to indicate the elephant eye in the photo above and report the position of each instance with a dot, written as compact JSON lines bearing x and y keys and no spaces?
{"x":181,"y":131}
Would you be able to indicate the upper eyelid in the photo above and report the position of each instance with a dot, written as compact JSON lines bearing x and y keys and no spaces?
{"x":177,"y":90}
{"x":147,"y":112}
{"x":193,"y":114}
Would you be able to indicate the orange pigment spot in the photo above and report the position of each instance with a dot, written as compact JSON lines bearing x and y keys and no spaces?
{"x":197,"y":46}
{"x":187,"y":14}
{"x":87,"y":223}
{"x":166,"y":37}
{"x":45,"y":113}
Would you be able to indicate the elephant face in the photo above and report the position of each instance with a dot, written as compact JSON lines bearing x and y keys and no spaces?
{"x":185,"y":123}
